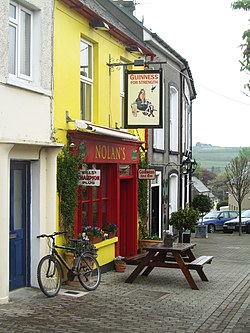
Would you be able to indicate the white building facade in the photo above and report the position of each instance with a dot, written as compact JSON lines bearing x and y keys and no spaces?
{"x":27,"y":148}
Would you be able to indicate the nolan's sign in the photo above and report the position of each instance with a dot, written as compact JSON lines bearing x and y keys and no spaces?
{"x":90,"y":177}
{"x":146,"y":174}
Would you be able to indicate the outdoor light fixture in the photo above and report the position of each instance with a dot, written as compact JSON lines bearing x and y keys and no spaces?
{"x":68,"y":119}
{"x":134,"y":49}
{"x":99,"y":25}
{"x":188,"y":165}
{"x":139,"y":62}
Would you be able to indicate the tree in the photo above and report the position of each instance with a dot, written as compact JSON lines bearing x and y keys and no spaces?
{"x":245,"y":63}
{"x":238,"y":178}
{"x":219,"y":187}
{"x":202,"y":203}
{"x":246,"y":152}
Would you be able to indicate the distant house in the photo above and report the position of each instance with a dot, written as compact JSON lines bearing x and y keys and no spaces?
{"x":199,"y":188}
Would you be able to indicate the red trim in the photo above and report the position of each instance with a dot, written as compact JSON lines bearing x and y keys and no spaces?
{"x":122,"y":191}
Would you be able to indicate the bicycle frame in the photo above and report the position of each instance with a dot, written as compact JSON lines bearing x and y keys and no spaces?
{"x":56,"y":254}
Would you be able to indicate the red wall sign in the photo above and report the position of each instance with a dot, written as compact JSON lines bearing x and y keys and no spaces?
{"x":146,"y":173}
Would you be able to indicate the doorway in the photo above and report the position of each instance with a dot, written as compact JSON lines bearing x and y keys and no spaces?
{"x":19,"y":224}
{"x":156,"y":206}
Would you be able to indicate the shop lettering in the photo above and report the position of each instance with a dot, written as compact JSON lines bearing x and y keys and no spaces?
{"x":90,"y":177}
{"x":110,"y":153}
{"x":144,"y":79}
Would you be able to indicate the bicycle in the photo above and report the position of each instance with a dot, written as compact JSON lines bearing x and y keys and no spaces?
{"x":50,"y":273}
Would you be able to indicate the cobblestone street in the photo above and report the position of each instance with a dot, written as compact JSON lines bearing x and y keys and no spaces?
{"x":161,"y":302}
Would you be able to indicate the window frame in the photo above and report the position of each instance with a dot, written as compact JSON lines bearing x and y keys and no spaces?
{"x":16,"y":23}
{"x":173,"y":119}
{"x":88,"y":81}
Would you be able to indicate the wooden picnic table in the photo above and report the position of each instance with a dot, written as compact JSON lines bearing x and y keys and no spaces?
{"x":180,"y":256}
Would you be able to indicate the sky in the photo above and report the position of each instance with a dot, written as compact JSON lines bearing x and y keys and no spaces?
{"x":208,"y":35}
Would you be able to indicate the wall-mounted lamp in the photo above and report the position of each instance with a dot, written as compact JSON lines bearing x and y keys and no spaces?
{"x":68,"y":119}
{"x":134,"y":49}
{"x":99,"y":25}
{"x":188,"y":165}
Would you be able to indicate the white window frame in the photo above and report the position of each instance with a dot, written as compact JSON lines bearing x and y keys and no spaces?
{"x":88,"y":80}
{"x":122,"y":94}
{"x":173,"y":195}
{"x":186,"y":118}
{"x":159,"y":133}
{"x":15,"y":22}
{"x":173,"y":119}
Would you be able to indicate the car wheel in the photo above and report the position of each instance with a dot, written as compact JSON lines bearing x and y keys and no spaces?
{"x":247,"y":228}
{"x":211,"y":228}
{"x":227,"y":231}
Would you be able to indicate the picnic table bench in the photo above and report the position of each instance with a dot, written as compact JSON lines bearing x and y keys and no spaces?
{"x":180,"y":256}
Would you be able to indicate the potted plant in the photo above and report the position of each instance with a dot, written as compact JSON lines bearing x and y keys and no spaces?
{"x":120,"y":264}
{"x":144,"y":237}
{"x":95,"y":234}
{"x":110,"y":229}
{"x":184,"y":221}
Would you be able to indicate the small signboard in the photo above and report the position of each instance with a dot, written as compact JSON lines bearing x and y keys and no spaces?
{"x":91,"y":177}
{"x":143,"y":99}
{"x":146,"y":173}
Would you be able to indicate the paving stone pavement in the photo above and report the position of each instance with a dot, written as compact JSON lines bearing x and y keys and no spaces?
{"x":163,"y":302}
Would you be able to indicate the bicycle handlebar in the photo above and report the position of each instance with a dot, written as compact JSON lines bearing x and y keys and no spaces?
{"x":52,"y":235}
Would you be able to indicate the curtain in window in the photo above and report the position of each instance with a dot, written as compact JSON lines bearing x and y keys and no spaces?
{"x":25,"y":42}
{"x":12,"y":49}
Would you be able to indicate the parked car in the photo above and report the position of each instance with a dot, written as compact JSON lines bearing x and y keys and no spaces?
{"x":216,"y":219}
{"x":233,"y":225}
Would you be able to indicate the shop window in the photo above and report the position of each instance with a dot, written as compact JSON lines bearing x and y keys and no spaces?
{"x":86,"y":79}
{"x":20,"y":41}
{"x":95,"y":201}
{"x":125,"y":170}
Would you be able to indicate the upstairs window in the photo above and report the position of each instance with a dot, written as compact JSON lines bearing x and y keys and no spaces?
{"x":122,"y":94}
{"x":20,"y":41}
{"x":86,"y":79}
{"x":174,"y":120}
{"x":159,"y":135}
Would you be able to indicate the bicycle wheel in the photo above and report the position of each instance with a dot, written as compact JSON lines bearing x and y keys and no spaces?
{"x":89,"y":273}
{"x":49,"y":276}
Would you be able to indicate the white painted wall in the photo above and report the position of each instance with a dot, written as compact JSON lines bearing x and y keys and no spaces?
{"x":26,"y":133}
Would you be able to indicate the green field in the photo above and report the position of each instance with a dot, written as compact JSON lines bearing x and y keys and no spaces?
{"x":214,"y":158}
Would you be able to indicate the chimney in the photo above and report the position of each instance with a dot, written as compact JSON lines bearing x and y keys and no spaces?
{"x":128,"y":5}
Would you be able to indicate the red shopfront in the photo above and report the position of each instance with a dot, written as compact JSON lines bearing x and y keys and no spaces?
{"x":115,"y":200}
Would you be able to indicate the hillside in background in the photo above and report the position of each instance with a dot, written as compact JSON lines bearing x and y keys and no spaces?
{"x":214,"y":158}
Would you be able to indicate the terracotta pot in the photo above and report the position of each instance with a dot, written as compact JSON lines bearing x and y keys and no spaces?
{"x":69,"y":258}
{"x":120,"y":267}
{"x":95,"y":239}
{"x":112,"y":234}
{"x":146,"y":242}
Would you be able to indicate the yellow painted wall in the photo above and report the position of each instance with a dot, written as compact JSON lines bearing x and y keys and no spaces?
{"x":69,"y":28}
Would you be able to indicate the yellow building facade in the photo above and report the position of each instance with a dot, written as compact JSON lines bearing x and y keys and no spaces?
{"x":88,"y":115}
